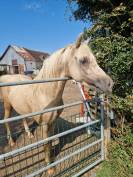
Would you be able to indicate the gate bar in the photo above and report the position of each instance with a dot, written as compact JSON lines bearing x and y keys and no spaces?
{"x":63,"y":159}
{"x":87,"y":168}
{"x":34,"y":81}
{"x":40,"y":112}
{"x":11,"y":153}
{"x":29,"y":116}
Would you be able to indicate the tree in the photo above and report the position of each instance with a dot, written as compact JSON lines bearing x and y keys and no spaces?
{"x":111,"y":40}
{"x":115,"y":13}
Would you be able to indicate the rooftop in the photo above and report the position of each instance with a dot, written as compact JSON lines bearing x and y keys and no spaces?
{"x":27,"y":54}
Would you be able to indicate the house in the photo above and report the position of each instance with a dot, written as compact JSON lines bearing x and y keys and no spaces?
{"x":20,"y":60}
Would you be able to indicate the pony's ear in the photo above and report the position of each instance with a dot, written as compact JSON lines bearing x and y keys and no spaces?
{"x":79,"y":41}
{"x":87,"y":40}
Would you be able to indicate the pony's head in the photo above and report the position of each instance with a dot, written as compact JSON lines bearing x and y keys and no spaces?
{"x":84,"y":68}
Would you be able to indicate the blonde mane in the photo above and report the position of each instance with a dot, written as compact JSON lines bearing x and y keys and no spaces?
{"x":50,"y":64}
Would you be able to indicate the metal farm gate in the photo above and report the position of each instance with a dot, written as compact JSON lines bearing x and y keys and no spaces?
{"x":77,"y":144}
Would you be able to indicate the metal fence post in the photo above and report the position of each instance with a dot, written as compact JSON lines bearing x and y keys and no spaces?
{"x":106,"y":127}
{"x":102,"y":127}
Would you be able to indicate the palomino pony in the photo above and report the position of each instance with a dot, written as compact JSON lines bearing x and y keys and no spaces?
{"x":75,"y":61}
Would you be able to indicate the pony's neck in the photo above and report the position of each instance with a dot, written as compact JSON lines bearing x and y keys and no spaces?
{"x":53,"y":67}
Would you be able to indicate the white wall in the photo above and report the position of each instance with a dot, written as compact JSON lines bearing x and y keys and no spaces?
{"x":11,"y":55}
{"x":30,"y":65}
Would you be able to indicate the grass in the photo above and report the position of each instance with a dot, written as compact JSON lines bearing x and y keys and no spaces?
{"x":120,"y":158}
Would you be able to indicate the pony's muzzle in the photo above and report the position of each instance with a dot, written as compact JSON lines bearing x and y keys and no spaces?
{"x":105,"y":84}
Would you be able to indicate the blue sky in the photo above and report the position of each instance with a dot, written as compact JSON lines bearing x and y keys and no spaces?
{"x":37,"y":24}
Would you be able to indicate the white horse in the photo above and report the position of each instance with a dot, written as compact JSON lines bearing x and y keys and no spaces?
{"x":75,"y":61}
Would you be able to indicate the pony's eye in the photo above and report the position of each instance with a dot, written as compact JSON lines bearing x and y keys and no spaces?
{"x":83,"y":61}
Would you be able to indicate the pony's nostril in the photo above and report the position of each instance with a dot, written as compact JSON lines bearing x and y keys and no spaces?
{"x":109,"y":84}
